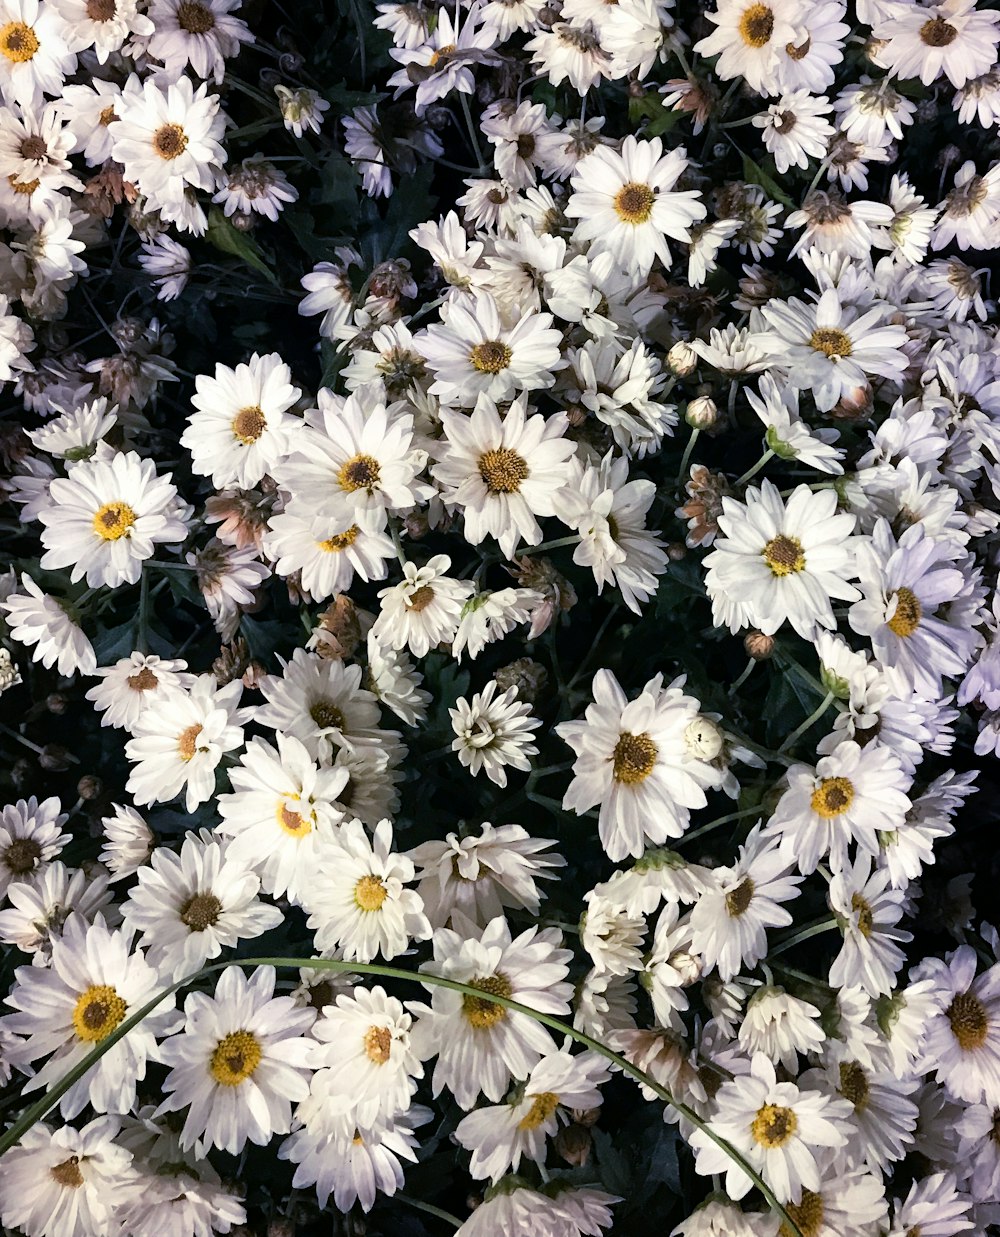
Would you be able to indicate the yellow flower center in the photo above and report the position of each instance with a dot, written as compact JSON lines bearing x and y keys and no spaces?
{"x":187,"y":742}
{"x":340,"y":541}
{"x":201,"y":911}
{"x":195,"y":18}
{"x":866,"y":920}
{"x":481,"y":1012}
{"x":378,"y":1045}
{"x":68,"y":1173}
{"x":24,"y":187}
{"x":634,"y":758}
{"x":738,"y":899}
{"x":326,"y":715}
{"x":907,"y":615}
{"x":107,"y":116}
{"x":293,"y":823}
{"x":360,"y":473}
{"x":938,"y":33}
{"x":113,"y":521}
{"x":502,"y":470}
{"x":831,"y":342}
{"x":542,"y":1108}
{"x":370,"y":893}
{"x":832,"y":797}
{"x":248,"y":424}
{"x":773,"y":1126}
{"x":756,"y":25}
{"x":170,"y":141}
{"x":420,"y":599}
{"x":442,"y":53}
{"x":854,"y":1085}
{"x":491,"y":356}
{"x":967,"y":1015}
{"x":18,"y":42}
{"x":784,"y":556}
{"x":97,"y":1012}
{"x":807,"y":1215}
{"x":634,"y":203}
{"x":235,"y":1058}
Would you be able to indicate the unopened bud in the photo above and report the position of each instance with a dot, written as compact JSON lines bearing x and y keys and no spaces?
{"x":529,"y":677}
{"x":586,"y":1116}
{"x":55,"y":758}
{"x":416,"y":525}
{"x":676,"y":551}
{"x":854,"y":404}
{"x":21,"y":771}
{"x":636,"y":90}
{"x":702,"y":413}
{"x":573,"y":1143}
{"x":243,"y":222}
{"x":89,"y":787}
{"x":948,"y":155}
{"x":253,"y":674}
{"x":56,"y":703}
{"x":758,"y":646}
{"x":703,"y":739}
{"x":682,"y":359}
{"x":282,"y":1226}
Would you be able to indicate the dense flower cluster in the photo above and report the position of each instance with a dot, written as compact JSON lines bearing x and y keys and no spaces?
{"x":499,"y":618}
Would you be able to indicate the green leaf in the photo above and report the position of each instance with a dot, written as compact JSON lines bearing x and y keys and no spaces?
{"x":224,"y":236}
{"x":650,"y":107}
{"x":757,"y":175}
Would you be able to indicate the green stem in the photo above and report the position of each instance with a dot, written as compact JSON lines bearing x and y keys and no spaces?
{"x":39,"y":751}
{"x":552,"y":545}
{"x":473,"y":135}
{"x":813,"y":717}
{"x":744,"y":676}
{"x":142,"y":635}
{"x":431,"y":1210}
{"x":814,"y":929}
{"x":752,"y":472}
{"x":54,"y":1094}
{"x":686,"y":457}
{"x":722,"y":820}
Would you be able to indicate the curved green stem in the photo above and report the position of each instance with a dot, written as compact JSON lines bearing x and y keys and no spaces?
{"x":55,"y":1093}
{"x":813,"y":717}
{"x":752,"y":472}
{"x":814,"y":929}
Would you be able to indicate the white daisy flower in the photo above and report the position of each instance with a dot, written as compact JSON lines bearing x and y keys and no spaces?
{"x":76,"y":434}
{"x":482,"y":876}
{"x":366,"y":1054}
{"x":829,"y":349}
{"x":355,"y":896}
{"x":424,"y":609}
{"x":128,"y":687}
{"x":395,"y":683}
{"x":179,"y":741}
{"x":935,"y":1206}
{"x":240,"y":430}
{"x":627,"y":205}
{"x":499,"y":1136}
{"x":89,"y":110}
{"x":867,"y":912}
{"x":962,"y":1035}
{"x":255,"y":186}
{"x":281,"y":807}
{"x":40,"y":907}
{"x":729,"y":920}
{"x":34,"y":55}
{"x":787,"y":435}
{"x":239,"y":1064}
{"x":36,"y":618}
{"x":31,"y":836}
{"x":199,"y":33}
{"x":638,"y":759}
{"x":851,"y":1202}
{"x":850,"y":795}
{"x":65,"y":1182}
{"x":623,"y":390}
{"x":795,"y":129}
{"x":472,"y":351}
{"x":907,"y":585}
{"x":489,"y":616}
{"x":128,"y":842}
{"x":777,"y":1127}
{"x":612,"y":938}
{"x":479,"y":1044}
{"x":885,"y":1116}
{"x":493,"y":731}
{"x":104,"y":26}
{"x":96,"y":980}
{"x":168,"y":265}
{"x":570,"y":50}
{"x":780,"y":1026}
{"x":749,"y":38}
{"x":955,"y":38}
{"x":503,"y":472}
{"x":167,"y":140}
{"x":325,"y":555}
{"x":301,"y":109}
{"x":440,"y":64}
{"x":871,"y":108}
{"x":329,"y":292}
{"x":186,"y":908}
{"x":781,"y":561}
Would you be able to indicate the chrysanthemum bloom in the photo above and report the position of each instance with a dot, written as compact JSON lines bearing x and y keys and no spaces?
{"x":867,"y":912}
{"x":479,"y":1044}
{"x":493,"y":731}
{"x":39,"y":909}
{"x":627,"y":205}
{"x":423,"y":609}
{"x":240,"y":430}
{"x":96,"y":980}
{"x":729,"y":922}
{"x":31,"y":835}
{"x":35,"y":618}
{"x":131,"y":684}
{"x":777,"y":1127}
{"x":781,"y":561}
{"x":239,"y":1064}
{"x":639,"y":760}
{"x":503,"y":473}
{"x":34,"y":55}
{"x":962,"y":1039}
{"x":355,"y":895}
{"x":749,"y":38}
{"x":199,"y":33}
{"x":955,"y":38}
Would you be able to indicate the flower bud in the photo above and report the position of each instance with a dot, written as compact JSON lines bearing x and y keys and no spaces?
{"x":55,"y":758}
{"x":703,"y":739}
{"x":573,"y":1143}
{"x":56,"y":703}
{"x":682,"y":359}
{"x":529,"y":677}
{"x":758,"y":646}
{"x":676,"y":551}
{"x":702,"y":413}
{"x":89,"y":787}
